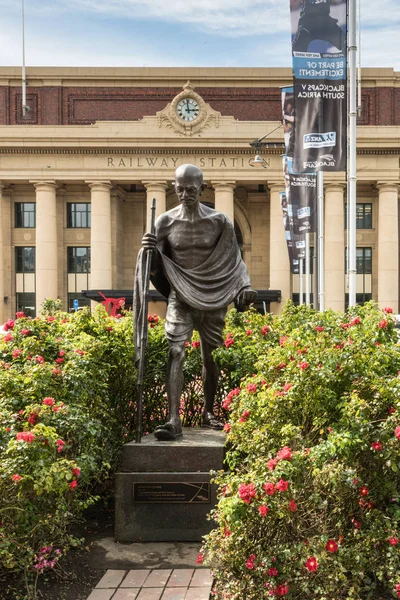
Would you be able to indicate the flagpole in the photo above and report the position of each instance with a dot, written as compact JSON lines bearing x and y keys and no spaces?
{"x":321,"y":241}
{"x":301,"y":297}
{"x":25,"y":107}
{"x":352,"y":158}
{"x":308,"y":270}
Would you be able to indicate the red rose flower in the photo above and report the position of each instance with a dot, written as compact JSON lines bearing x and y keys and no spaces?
{"x":273,"y":572}
{"x":227,"y":427}
{"x":292,"y":506}
{"x":397,"y":432}
{"x":16,"y":353}
{"x":382,"y":324}
{"x":8,"y":337}
{"x":393,"y":541}
{"x":283,"y":340}
{"x":285,"y":453}
{"x":247,"y":492}
{"x":48,"y":401}
{"x":25,"y":331}
{"x":356,"y":524}
{"x":39,"y":360}
{"x":245,"y":416}
{"x":311,"y":564}
{"x":249,"y":332}
{"x":282,"y":485}
{"x":25,"y":436}
{"x":356,"y":321}
{"x":196,"y":344}
{"x":287,"y":387}
{"x":331,"y":546}
{"x":229,"y":342}
{"x":269,"y":488}
{"x":20,"y":314}
{"x":265,"y":329}
{"x":16,"y":477}
{"x":364,"y":490}
{"x":80,"y":352}
{"x":281,"y":366}
{"x":60,"y":445}
{"x":200,"y":558}
{"x":50,"y":319}
{"x":250,"y":561}
{"x":251,"y":388}
{"x":282,"y":589}
{"x":263,"y":510}
{"x":33,"y":418}
{"x":376,"y":446}
{"x":76,"y":471}
{"x":319,"y":329}
{"x":59,"y":360}
{"x":303,"y":365}
{"x":8,"y":325}
{"x":73,"y":484}
{"x":271,"y":464}
{"x":388,"y":310}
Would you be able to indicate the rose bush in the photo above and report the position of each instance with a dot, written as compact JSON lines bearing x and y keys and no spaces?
{"x":310,"y":507}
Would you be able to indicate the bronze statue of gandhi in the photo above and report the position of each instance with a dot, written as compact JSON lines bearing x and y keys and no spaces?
{"x":197,"y":265}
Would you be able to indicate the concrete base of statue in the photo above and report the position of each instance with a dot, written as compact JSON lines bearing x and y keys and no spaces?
{"x":163,"y":489}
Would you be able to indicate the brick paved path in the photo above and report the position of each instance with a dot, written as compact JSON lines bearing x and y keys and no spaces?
{"x":154,"y":584}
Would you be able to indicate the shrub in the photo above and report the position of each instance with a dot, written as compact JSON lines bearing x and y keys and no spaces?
{"x":310,"y":506}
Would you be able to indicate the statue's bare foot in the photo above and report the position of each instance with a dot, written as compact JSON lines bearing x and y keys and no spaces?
{"x":211,"y":422}
{"x":168,"y":432}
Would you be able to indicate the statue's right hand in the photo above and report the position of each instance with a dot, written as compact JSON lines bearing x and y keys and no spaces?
{"x":149,"y":241}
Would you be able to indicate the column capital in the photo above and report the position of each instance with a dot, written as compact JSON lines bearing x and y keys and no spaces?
{"x":99,"y":185}
{"x":155,"y":186}
{"x":224,"y":185}
{"x":387,"y":186}
{"x":276,"y":186}
{"x":336,"y":186}
{"x":45,"y":184}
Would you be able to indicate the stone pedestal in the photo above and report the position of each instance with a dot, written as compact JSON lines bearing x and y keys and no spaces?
{"x":163,"y":489}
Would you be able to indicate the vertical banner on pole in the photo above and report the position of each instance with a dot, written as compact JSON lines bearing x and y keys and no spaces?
{"x":319,"y":34}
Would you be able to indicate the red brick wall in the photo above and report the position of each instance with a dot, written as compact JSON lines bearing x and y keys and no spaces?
{"x":78,"y":106}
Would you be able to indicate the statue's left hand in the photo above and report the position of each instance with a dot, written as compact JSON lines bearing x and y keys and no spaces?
{"x":246,"y":297}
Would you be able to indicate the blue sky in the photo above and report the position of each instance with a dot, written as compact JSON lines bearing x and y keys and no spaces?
{"x":236,"y":33}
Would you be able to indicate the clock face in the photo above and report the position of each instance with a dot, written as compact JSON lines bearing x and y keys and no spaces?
{"x":188,"y":109}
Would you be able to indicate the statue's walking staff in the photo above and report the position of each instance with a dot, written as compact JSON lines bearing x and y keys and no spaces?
{"x":142,"y":325}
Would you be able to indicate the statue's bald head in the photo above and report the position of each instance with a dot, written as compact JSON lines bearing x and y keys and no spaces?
{"x":189,"y":184}
{"x":188,"y":172}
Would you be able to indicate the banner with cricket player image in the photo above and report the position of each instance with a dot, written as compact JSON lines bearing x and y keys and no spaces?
{"x":319,"y":40}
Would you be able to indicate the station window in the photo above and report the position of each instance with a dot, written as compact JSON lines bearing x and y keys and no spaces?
{"x":25,"y":282}
{"x":25,"y":214}
{"x":78,"y":259}
{"x":364,"y":275}
{"x":78,"y":266}
{"x":363,"y":215}
{"x":25,"y":259}
{"x":78,"y":214}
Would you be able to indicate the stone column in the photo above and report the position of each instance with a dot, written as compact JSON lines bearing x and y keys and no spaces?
{"x":46,"y":242}
{"x":157,"y":190}
{"x":279,"y":266}
{"x":101,"y":246}
{"x":224,"y":199}
{"x":388,"y":246}
{"x":1,"y":256}
{"x":334,"y":246}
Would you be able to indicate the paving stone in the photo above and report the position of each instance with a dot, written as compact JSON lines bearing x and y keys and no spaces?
{"x":126,"y":594}
{"x":150,"y":594}
{"x":157,"y":578}
{"x":201,"y":578}
{"x":198,"y":593}
{"x":174,"y":593}
{"x":136,"y":578}
{"x":180,"y":578}
{"x":111,"y":579}
{"x":101,"y":594}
